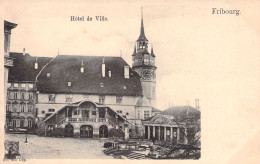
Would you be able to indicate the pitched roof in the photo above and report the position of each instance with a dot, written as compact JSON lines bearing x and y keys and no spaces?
{"x":155,"y":110}
{"x":23,"y":69}
{"x":142,"y":102}
{"x":66,"y":68}
{"x":182,"y":111}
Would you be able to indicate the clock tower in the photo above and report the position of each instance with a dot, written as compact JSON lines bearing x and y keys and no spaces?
{"x":144,"y":65}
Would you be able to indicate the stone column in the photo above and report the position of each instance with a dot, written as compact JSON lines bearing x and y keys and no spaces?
{"x":148,"y":132}
{"x":171,"y":135}
{"x":97,"y":115}
{"x":185,"y":136}
{"x":178,"y":135}
{"x":106,"y":115}
{"x":165,"y":133}
{"x":159,"y":133}
{"x":116,"y":121}
{"x":153,"y":131}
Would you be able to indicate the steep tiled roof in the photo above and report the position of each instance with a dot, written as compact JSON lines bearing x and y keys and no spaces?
{"x":66,"y":68}
{"x":23,"y":69}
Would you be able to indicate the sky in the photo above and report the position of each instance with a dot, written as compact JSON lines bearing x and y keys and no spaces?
{"x":198,"y":55}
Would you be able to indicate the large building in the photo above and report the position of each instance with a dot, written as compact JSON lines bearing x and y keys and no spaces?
{"x":40,"y":88}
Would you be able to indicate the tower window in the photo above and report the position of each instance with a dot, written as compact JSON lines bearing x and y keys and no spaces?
{"x":146,"y":114}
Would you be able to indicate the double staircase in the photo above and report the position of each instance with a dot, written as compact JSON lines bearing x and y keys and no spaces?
{"x":98,"y":120}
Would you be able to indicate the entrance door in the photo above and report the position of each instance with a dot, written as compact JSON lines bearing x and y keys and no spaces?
{"x":103,"y":131}
{"x":69,"y":131}
{"x":86,"y":131}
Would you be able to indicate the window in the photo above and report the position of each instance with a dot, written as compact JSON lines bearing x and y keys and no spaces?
{"x":76,"y":112}
{"x":146,"y":114}
{"x":14,"y":123}
{"x":119,"y":99}
{"x":119,"y":111}
{"x":69,"y":98}
{"x":101,"y":99}
{"x":30,"y":86}
{"x":30,"y":96}
{"x":30,"y":108}
{"x":22,"y":95}
{"x":51,"y":110}
{"x":146,"y":60}
{"x":109,"y":74}
{"x":15,"y":95}
{"x":16,"y":85}
{"x":21,"y":123}
{"x":8,"y":95}
{"x":138,"y":115}
{"x":8,"y":107}
{"x":126,"y":71}
{"x":9,"y":85}
{"x":69,"y":84}
{"x":48,"y":74}
{"x":43,"y":112}
{"x":22,"y":107}
{"x":127,"y":113}
{"x":29,"y":123}
{"x":101,"y":85}
{"x":52,"y":97}
{"x":23,"y":85}
{"x":93,"y":112}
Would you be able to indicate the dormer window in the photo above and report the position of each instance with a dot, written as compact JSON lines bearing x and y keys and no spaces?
{"x":82,"y":67}
{"x":101,"y":85}
{"x":69,"y":84}
{"x":48,"y":74}
{"x":126,"y":72}
{"x":36,"y":64}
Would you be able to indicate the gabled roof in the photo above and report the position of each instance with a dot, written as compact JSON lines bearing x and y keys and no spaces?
{"x":66,"y":68}
{"x":155,"y":110}
{"x":160,"y":119}
{"x":23,"y":69}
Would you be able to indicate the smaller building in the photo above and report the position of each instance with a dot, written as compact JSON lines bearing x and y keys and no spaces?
{"x":20,"y":97}
{"x":180,"y":124}
{"x":85,"y":119}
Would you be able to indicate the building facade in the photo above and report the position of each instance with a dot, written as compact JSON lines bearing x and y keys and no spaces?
{"x":8,"y":61}
{"x":20,"y":102}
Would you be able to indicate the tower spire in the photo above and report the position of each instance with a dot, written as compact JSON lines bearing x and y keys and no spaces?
{"x":142,"y":35}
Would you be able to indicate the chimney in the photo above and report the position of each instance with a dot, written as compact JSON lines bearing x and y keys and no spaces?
{"x":103,"y":68}
{"x":82,"y":67}
{"x":197,"y":106}
{"x":23,"y":51}
{"x":126,"y":72}
{"x":36,"y":64}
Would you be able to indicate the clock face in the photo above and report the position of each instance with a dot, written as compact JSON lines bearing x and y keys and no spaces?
{"x":146,"y":74}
